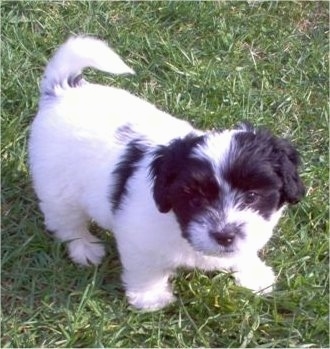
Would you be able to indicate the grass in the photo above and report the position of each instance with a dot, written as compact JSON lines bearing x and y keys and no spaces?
{"x":213,"y":63}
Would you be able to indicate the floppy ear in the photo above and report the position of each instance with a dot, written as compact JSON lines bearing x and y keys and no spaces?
{"x":287,"y":168}
{"x":169,"y":162}
{"x":163,"y":175}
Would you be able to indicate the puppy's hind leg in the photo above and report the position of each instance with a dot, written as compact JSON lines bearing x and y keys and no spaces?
{"x":69,"y":224}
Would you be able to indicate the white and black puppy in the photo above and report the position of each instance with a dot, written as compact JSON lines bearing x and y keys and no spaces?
{"x":172,"y":195}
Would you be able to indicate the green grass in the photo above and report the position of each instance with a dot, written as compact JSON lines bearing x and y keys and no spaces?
{"x":213,"y":63}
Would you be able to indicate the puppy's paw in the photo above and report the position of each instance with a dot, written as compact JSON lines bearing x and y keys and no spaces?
{"x":86,"y":250}
{"x":260,"y":278}
{"x":150,"y":300}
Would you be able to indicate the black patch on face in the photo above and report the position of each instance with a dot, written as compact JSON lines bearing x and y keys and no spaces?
{"x":125,"y":169}
{"x":173,"y":163}
{"x":261,"y":165}
{"x":183,"y":183}
{"x":194,"y":191}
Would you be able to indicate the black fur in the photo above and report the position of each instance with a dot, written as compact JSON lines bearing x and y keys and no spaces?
{"x":172,"y":166}
{"x":260,"y":161}
{"x":184,"y":183}
{"x":125,"y":169}
{"x":260,"y":169}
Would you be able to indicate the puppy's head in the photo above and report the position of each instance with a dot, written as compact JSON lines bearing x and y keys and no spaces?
{"x":227,"y":189}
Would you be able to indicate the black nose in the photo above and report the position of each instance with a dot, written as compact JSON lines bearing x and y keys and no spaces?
{"x":226,"y":236}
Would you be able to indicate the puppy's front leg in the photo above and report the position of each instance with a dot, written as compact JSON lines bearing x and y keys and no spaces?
{"x":147,"y":288}
{"x":254,"y":274}
{"x":248,"y":271}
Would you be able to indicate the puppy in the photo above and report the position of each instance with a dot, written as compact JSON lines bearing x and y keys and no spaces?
{"x":172,"y":195}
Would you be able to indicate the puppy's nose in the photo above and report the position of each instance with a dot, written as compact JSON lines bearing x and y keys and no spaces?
{"x":226,"y":236}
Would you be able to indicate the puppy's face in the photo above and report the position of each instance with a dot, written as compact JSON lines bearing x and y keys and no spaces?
{"x":227,"y":189}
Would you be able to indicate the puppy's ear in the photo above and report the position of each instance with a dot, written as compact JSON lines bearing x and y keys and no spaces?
{"x":287,"y":163}
{"x":169,"y":162}
{"x":163,"y":173}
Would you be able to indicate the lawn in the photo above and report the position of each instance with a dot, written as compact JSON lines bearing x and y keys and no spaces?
{"x":214,"y":64}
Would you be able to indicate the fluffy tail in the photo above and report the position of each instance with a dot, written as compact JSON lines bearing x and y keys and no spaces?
{"x":66,"y":66}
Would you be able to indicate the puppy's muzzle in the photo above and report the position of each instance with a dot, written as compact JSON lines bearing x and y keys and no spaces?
{"x":227,"y":235}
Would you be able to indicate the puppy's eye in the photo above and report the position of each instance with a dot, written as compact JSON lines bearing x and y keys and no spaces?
{"x":250,"y":198}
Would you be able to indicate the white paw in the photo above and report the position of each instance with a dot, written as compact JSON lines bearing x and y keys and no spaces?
{"x":87,"y":250}
{"x":260,"y":278}
{"x":150,"y":300}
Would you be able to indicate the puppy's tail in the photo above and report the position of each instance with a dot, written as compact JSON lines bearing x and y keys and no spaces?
{"x":65,"y":68}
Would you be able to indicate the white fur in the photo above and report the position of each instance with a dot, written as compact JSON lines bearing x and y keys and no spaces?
{"x":74,"y":148}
